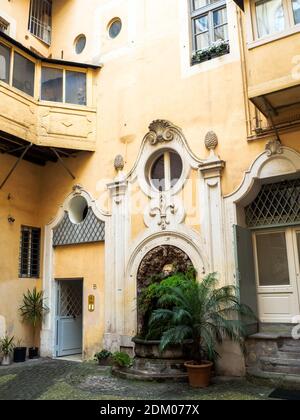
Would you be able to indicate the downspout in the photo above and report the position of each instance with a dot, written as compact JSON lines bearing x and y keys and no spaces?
{"x":244,"y":71}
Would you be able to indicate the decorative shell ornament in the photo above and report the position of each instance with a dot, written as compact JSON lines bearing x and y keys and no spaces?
{"x":119,"y":163}
{"x":211,"y":140}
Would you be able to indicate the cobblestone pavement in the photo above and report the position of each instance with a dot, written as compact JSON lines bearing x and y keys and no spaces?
{"x":64,"y":380}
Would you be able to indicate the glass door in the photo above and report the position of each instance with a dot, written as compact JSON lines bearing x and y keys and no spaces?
{"x":276,"y":275}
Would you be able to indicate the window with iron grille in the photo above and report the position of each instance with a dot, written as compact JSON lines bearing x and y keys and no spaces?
{"x":40,"y":19}
{"x":277,"y":204}
{"x":30,"y":252}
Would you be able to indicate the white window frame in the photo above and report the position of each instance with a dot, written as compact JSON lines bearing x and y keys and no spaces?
{"x":166,"y":153}
{"x":290,"y":24}
{"x":203,"y":11}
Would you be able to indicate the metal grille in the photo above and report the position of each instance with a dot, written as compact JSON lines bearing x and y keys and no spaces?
{"x":276,"y":205}
{"x":40,"y":19}
{"x":29,"y":262}
{"x":70,"y":298}
{"x":90,"y":230}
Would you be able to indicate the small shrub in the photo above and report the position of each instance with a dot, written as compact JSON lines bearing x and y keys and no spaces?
{"x":102,"y":356}
{"x":122,"y":359}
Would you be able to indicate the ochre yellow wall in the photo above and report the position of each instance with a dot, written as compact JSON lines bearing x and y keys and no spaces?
{"x":87,"y":262}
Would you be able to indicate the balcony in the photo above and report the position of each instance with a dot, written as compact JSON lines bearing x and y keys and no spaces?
{"x":272,"y":39}
{"x":45,"y":102}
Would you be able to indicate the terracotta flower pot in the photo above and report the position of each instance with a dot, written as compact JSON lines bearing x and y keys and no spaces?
{"x":199,"y":375}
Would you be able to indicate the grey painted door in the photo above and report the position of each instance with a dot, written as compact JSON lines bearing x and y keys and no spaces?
{"x":246,"y":271}
{"x":69,"y":317}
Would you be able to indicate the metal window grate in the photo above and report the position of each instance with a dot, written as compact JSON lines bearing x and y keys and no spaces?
{"x":70,"y":299}
{"x":90,"y":230}
{"x":276,"y":205}
{"x":30,"y":243}
{"x":40,"y":19}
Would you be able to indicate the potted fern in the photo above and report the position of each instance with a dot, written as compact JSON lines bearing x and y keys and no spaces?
{"x":207,"y":315}
{"x":6,"y":348}
{"x":32,"y":311}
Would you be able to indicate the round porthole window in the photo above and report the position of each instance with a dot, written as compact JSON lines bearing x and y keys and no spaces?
{"x":166,"y":170}
{"x":80,"y":43}
{"x":78,"y":209}
{"x":114,"y":28}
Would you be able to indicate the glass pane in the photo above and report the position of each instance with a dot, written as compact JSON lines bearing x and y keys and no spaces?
{"x":202,"y":41}
{"x":158,"y":173}
{"x":201,"y":24}
{"x":197,"y":4}
{"x":270,"y":17}
{"x":23,"y":74}
{"x":272,"y":259}
{"x":176,"y":168}
{"x":220,"y":17}
{"x":75,"y":88}
{"x":221,"y":33}
{"x":296,"y":9}
{"x":115,"y":28}
{"x":80,"y":44}
{"x":4,"y":63}
{"x":52,"y":85}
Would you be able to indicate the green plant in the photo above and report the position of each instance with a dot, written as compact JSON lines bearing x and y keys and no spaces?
{"x":102,"y":355}
{"x":150,"y":296}
{"x":7,"y":345}
{"x":33,"y":309}
{"x":203,"y":313}
{"x":122,"y":359}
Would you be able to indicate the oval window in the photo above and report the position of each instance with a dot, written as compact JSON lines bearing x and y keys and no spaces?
{"x":166,"y":170}
{"x":78,"y":209}
{"x":114,"y":28}
{"x":80,"y":44}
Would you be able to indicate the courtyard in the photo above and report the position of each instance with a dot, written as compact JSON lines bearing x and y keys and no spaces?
{"x":48,"y":379}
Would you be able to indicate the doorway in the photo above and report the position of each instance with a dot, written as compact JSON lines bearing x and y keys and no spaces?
{"x":277,"y":267}
{"x":69,"y":325}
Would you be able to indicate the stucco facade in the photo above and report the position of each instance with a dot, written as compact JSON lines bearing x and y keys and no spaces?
{"x":144,"y":97}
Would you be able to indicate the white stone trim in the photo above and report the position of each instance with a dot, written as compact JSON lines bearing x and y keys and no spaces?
{"x":49,"y":285}
{"x":266,"y":167}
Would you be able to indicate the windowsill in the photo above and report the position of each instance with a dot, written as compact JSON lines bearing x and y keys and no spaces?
{"x":273,"y":38}
{"x":210,"y":57}
{"x":64,"y":105}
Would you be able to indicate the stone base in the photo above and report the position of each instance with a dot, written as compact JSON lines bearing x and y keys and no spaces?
{"x":160,"y":370}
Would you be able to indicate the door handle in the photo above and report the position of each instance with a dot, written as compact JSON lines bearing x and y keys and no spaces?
{"x":74,"y":317}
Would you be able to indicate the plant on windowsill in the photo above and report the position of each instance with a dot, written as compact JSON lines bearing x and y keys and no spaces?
{"x":104,"y":358}
{"x":32,"y":311}
{"x":217,"y":49}
{"x":6,"y":349}
{"x":205,"y":314}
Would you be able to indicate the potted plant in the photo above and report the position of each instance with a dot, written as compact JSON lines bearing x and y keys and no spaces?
{"x":205,"y":314}
{"x":20,"y":353}
{"x":122,"y":360}
{"x":6,"y":348}
{"x":104,"y":358}
{"x":33,"y":311}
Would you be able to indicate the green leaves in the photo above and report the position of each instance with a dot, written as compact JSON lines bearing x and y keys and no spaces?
{"x":7,"y":345}
{"x":201,"y":312}
{"x":33,"y":308}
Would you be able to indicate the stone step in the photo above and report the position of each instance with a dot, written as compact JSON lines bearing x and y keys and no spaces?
{"x":289,"y":354}
{"x":284,"y":366}
{"x":290,"y":343}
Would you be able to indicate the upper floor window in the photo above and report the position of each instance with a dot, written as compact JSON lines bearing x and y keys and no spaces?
{"x":59,"y":85}
{"x":40,"y":19}
{"x":23,"y":74}
{"x":4,"y":26}
{"x":30,"y":245}
{"x":274,"y":16}
{"x":4,"y":63}
{"x":166,"y":170}
{"x":209,"y":29}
